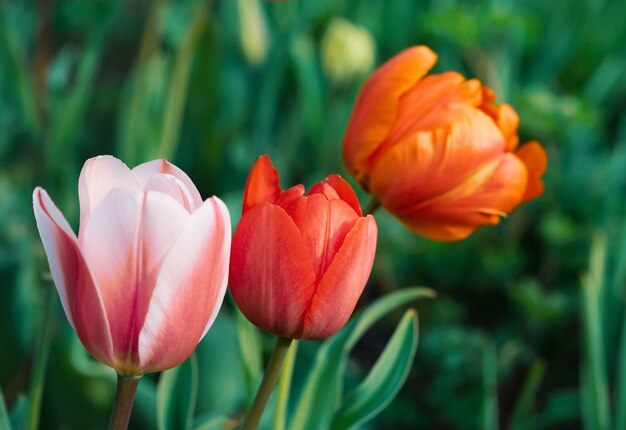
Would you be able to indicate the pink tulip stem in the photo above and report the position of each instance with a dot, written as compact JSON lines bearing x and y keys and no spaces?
{"x":272,"y":371}
{"x":371,"y":206}
{"x":124,"y":398}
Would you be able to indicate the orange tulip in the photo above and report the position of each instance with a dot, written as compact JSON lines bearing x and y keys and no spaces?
{"x":436,"y":151}
{"x":299,"y":263}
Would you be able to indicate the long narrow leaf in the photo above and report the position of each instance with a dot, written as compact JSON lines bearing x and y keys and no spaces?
{"x":176,"y":396}
{"x":385,"y":379}
{"x":322,"y":391}
{"x":5,"y":423}
{"x":596,"y":395}
{"x":522,"y":414}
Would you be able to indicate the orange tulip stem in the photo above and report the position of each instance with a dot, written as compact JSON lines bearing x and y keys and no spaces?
{"x":272,"y":371}
{"x":371,"y":206}
{"x":124,"y":398}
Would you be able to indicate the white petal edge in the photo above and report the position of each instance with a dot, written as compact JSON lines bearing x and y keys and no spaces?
{"x":98,"y":177}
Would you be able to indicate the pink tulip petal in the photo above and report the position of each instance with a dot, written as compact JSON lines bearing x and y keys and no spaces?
{"x":338,"y":292}
{"x":98,"y":177}
{"x":173,"y":187}
{"x":335,"y":187}
{"x":376,"y":106}
{"x":323,"y":225}
{"x":272,"y":278}
{"x":125,"y":242}
{"x":263,"y":184}
{"x":189,"y":289}
{"x":79,"y":295}
{"x":145,"y":171}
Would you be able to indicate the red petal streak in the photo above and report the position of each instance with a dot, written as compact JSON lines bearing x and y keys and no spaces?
{"x":78,"y":292}
{"x":344,"y":281}
{"x":125,"y":242}
{"x":271,"y":275}
{"x":263,"y":184}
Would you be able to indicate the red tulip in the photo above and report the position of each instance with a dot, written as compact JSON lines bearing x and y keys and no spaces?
{"x":147,"y":274}
{"x":299,"y":263}
{"x":436,"y":151}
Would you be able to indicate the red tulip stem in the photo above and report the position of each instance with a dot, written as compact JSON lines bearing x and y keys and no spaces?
{"x":272,"y":371}
{"x":371,"y":206}
{"x":124,"y":398}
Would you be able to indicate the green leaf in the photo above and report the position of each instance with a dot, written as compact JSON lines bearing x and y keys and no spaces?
{"x":19,"y":412}
{"x":595,"y":384}
{"x":251,"y":352}
{"x":385,"y":379}
{"x":176,"y":396}
{"x":5,"y":423}
{"x":522,"y":415}
{"x":323,"y":389}
{"x":490,"y":388}
{"x":211,"y":422}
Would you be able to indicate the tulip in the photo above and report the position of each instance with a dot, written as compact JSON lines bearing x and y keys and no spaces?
{"x":300,"y":262}
{"x":145,"y":278}
{"x":436,"y":151}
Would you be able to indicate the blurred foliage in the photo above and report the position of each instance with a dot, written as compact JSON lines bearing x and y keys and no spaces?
{"x":212,"y":85}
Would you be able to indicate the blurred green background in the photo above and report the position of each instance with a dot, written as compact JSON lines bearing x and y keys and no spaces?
{"x":528,"y":330}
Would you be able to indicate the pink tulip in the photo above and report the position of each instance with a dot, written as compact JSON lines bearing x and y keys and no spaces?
{"x":145,"y":278}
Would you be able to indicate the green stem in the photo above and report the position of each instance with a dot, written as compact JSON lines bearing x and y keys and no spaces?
{"x":272,"y":371}
{"x":371,"y":206}
{"x":42,"y":349}
{"x":284,"y":384}
{"x":124,"y":398}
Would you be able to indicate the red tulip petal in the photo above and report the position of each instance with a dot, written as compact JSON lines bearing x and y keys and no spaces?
{"x":98,"y":177}
{"x":338,"y":292}
{"x":323,"y":225}
{"x":457,"y":214}
{"x":145,"y":171}
{"x":263,"y":184}
{"x":292,"y":193}
{"x":271,"y":275}
{"x":334,"y":187}
{"x":79,"y":295}
{"x":535,"y":159}
{"x":429,"y":164}
{"x":125,"y":242}
{"x":376,"y":106}
{"x":189,"y":290}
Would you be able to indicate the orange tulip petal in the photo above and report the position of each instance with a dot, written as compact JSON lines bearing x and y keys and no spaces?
{"x":263,"y":184}
{"x":79,"y":295}
{"x":457,"y":215}
{"x":344,"y":281}
{"x":434,"y":103}
{"x":535,"y":159}
{"x":323,"y":225}
{"x":376,"y":106}
{"x":428,"y":164}
{"x":271,"y":278}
